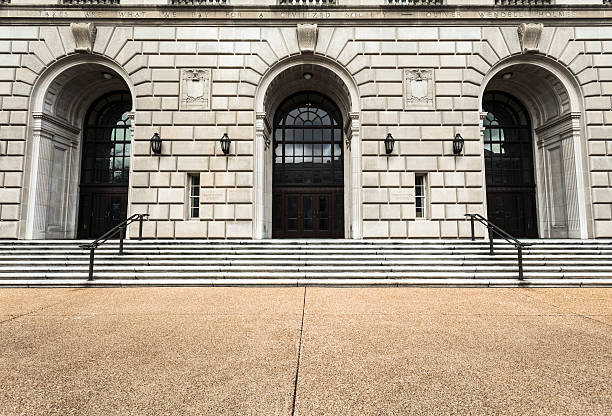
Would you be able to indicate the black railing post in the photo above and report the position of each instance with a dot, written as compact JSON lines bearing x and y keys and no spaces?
{"x":140,"y":217}
{"x":121,"y":237}
{"x":520,"y":261}
{"x":491,"y":241}
{"x":92,"y":249}
{"x":472,"y":227}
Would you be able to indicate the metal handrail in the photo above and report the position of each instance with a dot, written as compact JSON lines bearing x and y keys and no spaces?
{"x":119,"y":228}
{"x":494,"y":229}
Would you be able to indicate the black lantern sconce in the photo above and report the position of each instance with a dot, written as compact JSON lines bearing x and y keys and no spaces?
{"x":458,"y":144}
{"x":389,"y":142}
{"x":225,"y":144}
{"x":156,"y":144}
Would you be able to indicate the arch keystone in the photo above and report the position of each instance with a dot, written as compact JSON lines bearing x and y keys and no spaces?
{"x":84,"y":36}
{"x":529,"y":36}
{"x":307,"y":37}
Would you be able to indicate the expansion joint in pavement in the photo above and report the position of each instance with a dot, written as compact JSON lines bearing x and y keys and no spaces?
{"x":297,"y":369}
{"x":573,"y":313}
{"x":12,"y":318}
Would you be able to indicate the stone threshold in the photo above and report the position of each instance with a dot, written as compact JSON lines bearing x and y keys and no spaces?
{"x":478,"y":283}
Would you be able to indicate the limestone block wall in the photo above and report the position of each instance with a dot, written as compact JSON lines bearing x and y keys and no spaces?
{"x":424,"y":137}
{"x":238,"y":56}
{"x":592,"y":64}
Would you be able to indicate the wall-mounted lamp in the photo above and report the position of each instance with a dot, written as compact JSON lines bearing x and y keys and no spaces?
{"x":225,"y":143}
{"x":389,"y":142}
{"x":156,"y":144}
{"x":458,"y":144}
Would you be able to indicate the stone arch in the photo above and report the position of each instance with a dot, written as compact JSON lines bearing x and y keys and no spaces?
{"x":553,"y":99}
{"x":281,"y":80}
{"x":61,"y":96}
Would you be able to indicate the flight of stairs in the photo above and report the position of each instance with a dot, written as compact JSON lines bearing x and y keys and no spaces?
{"x":306,"y":262}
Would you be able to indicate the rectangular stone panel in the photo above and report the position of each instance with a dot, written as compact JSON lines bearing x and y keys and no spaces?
{"x":195,"y":89}
{"x":419,"y":89}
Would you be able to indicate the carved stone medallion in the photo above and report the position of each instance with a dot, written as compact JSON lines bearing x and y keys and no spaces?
{"x":307,"y":37}
{"x":84,"y":36}
{"x":529,"y":36}
{"x":195,"y":89}
{"x":419,"y":89}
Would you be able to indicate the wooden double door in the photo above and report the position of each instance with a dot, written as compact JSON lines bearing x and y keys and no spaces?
{"x":301,"y":212}
{"x":100,"y":209}
{"x":513,"y":210}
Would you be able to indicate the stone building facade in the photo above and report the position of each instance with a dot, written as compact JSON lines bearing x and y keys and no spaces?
{"x":495,"y":107}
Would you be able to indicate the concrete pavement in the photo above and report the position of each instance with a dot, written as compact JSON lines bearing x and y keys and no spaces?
{"x":237,"y":351}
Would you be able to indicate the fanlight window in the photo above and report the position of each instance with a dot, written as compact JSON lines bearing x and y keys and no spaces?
{"x":308,"y":141}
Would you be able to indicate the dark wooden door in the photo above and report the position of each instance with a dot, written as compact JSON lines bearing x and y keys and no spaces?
{"x":513,"y":210}
{"x":100,"y":210}
{"x":308,"y":173}
{"x":308,"y":212}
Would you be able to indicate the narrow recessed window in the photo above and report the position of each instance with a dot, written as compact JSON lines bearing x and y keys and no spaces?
{"x":420,"y":184}
{"x":194,"y":196}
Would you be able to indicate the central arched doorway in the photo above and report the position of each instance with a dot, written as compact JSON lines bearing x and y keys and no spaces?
{"x":508,"y":152}
{"x":308,"y":168}
{"x":105,"y":165}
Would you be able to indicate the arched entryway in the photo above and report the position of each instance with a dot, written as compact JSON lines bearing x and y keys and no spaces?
{"x":509,"y":168}
{"x":533,"y":152}
{"x":105,"y":165}
{"x":322,"y":84}
{"x":308,"y":168}
{"x":78,"y":150}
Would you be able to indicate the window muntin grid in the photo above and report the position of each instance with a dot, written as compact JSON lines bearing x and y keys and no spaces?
{"x":420,"y":195}
{"x":194,"y":196}
{"x":107,"y":141}
{"x":508,"y":144}
{"x":308,"y":142}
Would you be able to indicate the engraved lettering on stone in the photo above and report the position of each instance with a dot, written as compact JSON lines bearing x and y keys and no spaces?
{"x":84,"y":36}
{"x":307,"y":37}
{"x":212,"y":195}
{"x":418,"y":89}
{"x":195,"y":89}
{"x":401,"y":195}
{"x":529,"y":36}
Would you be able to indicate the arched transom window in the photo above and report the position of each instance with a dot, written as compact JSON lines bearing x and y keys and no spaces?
{"x":308,"y":141}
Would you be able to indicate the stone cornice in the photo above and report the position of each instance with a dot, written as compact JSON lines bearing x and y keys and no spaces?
{"x":487,"y":15}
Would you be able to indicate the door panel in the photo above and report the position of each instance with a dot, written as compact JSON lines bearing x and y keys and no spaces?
{"x":514,"y":211}
{"x":101,"y":210}
{"x":306,"y":212}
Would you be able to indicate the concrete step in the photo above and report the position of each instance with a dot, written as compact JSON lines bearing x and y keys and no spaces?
{"x":291,"y":262}
{"x":10,"y":263}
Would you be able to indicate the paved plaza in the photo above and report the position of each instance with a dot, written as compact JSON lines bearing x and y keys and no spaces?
{"x":239,"y":351}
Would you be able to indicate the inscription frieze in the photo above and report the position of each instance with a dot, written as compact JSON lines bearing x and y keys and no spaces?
{"x":357,"y":13}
